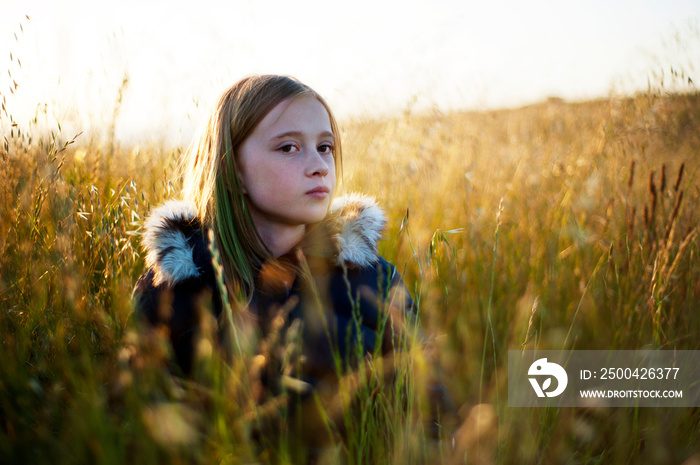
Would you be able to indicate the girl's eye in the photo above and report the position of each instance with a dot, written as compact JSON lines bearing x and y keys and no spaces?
{"x":288,"y":148}
{"x":325,"y":148}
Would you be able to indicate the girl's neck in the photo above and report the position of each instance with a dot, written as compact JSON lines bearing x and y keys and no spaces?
{"x":280,"y":238}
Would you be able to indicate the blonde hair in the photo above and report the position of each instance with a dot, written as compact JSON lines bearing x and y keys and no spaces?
{"x":210,"y":172}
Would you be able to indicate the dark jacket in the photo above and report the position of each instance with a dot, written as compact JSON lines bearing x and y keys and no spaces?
{"x":364,"y":306}
{"x":355,"y":286}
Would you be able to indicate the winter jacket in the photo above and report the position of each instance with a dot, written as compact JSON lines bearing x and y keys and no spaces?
{"x":366,"y":306}
{"x":354,"y":283}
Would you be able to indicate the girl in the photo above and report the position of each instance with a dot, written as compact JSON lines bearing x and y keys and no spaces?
{"x":260,"y":183}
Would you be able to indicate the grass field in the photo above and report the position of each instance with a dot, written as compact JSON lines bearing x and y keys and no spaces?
{"x":558,"y":225}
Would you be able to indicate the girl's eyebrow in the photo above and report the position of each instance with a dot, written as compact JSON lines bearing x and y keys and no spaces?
{"x":300,"y":134}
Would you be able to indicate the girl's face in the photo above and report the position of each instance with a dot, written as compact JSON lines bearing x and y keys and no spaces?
{"x":286,"y":164}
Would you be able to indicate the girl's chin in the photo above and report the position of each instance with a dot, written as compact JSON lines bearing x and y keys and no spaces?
{"x":305,"y":218}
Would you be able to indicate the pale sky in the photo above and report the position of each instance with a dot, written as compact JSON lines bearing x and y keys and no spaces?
{"x":367,"y":57}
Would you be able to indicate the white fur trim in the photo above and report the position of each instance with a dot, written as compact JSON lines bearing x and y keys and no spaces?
{"x":359,"y":222}
{"x":356,"y":222}
{"x":167,"y":251}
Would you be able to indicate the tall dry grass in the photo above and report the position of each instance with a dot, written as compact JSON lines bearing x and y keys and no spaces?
{"x":558,"y":225}
{"x":594,"y":209}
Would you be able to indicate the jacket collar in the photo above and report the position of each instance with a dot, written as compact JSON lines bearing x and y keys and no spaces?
{"x":354,"y":224}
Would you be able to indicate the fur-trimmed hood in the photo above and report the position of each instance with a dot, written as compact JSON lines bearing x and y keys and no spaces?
{"x":355,"y":223}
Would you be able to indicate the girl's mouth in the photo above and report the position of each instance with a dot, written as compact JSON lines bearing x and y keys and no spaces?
{"x":320,"y":192}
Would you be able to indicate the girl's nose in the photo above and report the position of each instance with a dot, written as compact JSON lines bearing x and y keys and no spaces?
{"x":318,"y":165}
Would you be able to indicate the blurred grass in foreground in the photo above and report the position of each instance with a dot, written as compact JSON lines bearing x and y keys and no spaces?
{"x":595,"y":209}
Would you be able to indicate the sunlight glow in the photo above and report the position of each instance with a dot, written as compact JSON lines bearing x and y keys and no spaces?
{"x":368,"y":58}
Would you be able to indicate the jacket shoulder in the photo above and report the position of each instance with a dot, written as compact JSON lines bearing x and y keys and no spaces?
{"x":356,"y":223}
{"x":173,"y":241}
